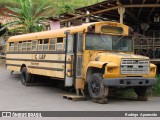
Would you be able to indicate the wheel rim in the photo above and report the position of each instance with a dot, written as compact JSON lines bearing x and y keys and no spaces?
{"x":95,"y":87}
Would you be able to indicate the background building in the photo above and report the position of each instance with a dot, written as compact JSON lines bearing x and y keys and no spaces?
{"x":142,"y":15}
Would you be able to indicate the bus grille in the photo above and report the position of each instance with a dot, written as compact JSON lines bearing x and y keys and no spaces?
{"x":134,"y":66}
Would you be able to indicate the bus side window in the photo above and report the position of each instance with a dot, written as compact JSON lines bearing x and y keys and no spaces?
{"x":20,"y":46}
{"x":24,"y":48}
{"x":11,"y":46}
{"x":40,"y":44}
{"x":46,"y":42}
{"x":70,"y":44}
{"x":29,"y":46}
{"x":16,"y":46}
{"x":59,"y":44}
{"x":34,"y":43}
{"x":52,"y":43}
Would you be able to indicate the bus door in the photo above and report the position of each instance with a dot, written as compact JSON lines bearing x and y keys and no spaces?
{"x":69,"y":60}
{"x":74,"y":52}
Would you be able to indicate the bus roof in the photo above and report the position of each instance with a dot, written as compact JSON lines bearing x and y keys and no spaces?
{"x":53,"y":33}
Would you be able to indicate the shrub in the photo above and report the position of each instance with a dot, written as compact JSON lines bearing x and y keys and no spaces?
{"x":155,"y":90}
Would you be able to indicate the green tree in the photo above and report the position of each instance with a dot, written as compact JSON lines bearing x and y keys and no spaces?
{"x":28,"y":16}
{"x":2,"y":31}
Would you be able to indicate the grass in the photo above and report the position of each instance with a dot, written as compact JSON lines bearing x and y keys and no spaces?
{"x":126,"y":93}
{"x":155,"y":90}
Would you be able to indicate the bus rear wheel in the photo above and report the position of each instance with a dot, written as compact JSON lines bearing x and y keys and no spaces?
{"x":25,"y":76}
{"x":96,"y":89}
{"x":141,"y":92}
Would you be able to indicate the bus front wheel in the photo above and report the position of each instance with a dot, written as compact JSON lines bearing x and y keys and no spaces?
{"x":25,"y":76}
{"x":96,"y":88}
{"x":141,"y":92}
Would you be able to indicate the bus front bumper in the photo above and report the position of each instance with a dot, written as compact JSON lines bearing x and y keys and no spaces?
{"x":129,"y":82}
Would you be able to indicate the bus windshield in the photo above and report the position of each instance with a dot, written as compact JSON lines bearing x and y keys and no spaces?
{"x":109,"y":42}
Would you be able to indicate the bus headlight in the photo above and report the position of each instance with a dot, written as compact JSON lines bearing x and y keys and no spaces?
{"x":110,"y":70}
{"x":111,"y":67}
{"x":152,"y":69}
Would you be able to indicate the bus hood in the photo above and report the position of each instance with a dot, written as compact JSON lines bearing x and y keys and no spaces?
{"x":125,"y":55}
{"x":116,"y":56}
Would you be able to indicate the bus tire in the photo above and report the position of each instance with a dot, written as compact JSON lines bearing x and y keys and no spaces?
{"x":33,"y":78}
{"x":96,"y":88}
{"x":141,"y":92}
{"x":25,"y":76}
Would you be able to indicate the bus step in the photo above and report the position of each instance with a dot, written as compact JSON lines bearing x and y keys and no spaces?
{"x":74,"y":97}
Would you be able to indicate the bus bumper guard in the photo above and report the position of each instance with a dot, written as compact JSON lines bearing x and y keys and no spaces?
{"x":127,"y":82}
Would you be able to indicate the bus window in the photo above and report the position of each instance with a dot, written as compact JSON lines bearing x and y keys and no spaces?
{"x":24,"y":48}
{"x":29,"y":46}
{"x":16,"y":46}
{"x":59,"y":44}
{"x":52,"y":43}
{"x":40,"y":44}
{"x":46,"y":42}
{"x":80,"y":43}
{"x":70,"y":44}
{"x":20,"y":46}
{"x":11,"y":46}
{"x":34,"y":43}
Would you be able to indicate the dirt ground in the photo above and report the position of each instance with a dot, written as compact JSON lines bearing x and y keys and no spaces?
{"x":16,"y":97}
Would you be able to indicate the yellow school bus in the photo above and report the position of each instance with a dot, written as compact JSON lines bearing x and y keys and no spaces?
{"x":98,"y":55}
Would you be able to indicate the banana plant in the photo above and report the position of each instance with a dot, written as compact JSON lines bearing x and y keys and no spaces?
{"x":28,"y":17}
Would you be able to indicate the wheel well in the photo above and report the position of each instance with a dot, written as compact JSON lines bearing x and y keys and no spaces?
{"x":92,"y":70}
{"x":23,"y":65}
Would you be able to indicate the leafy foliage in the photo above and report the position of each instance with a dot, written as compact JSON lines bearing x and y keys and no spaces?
{"x":156,"y":88}
{"x":3,"y":31}
{"x":60,"y":6}
{"x":31,"y":14}
{"x":29,"y":17}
